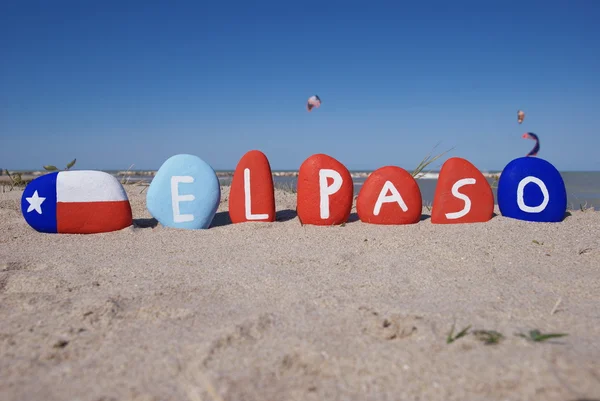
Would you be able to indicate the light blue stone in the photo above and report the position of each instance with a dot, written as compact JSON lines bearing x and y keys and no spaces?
{"x":532,"y":189}
{"x":185,"y":193}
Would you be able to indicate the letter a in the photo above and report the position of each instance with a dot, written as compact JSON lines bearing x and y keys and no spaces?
{"x":465,"y":198}
{"x":326,"y":191}
{"x":248,"y":200}
{"x":385,"y":198}
{"x":176,"y":198}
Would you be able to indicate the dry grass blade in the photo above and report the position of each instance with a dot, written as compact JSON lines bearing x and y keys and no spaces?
{"x":553,"y":311}
{"x":143,"y":183}
{"x":428,"y":160}
{"x":126,"y":175}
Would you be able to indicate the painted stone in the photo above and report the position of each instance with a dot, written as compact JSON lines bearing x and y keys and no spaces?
{"x":185,"y":193}
{"x":76,"y":202}
{"x":390,"y":195}
{"x":325,"y":191}
{"x":252,"y":197}
{"x":532,"y":189}
{"x":462,"y":194}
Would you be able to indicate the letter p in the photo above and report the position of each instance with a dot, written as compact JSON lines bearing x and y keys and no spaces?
{"x":326,"y":191}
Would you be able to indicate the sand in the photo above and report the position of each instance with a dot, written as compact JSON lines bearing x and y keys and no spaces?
{"x":280,"y":311}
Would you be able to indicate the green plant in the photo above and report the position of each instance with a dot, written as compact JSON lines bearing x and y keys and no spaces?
{"x":537,"y":336}
{"x":488,"y":336}
{"x":50,"y":167}
{"x":462,"y":333}
{"x":16,"y":180}
{"x":494,"y":183}
{"x":428,"y":160}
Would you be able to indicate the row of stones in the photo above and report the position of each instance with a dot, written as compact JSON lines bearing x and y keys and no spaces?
{"x":529,"y":189}
{"x":185,"y":193}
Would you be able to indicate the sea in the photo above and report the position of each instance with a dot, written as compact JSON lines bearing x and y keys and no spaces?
{"x":583,"y":187}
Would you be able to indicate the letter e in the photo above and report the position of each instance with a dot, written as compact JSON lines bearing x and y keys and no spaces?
{"x":176,"y":198}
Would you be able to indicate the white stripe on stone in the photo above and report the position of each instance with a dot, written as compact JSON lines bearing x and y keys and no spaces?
{"x":88,"y":186}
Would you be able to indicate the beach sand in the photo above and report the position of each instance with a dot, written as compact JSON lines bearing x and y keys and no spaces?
{"x":280,"y":311}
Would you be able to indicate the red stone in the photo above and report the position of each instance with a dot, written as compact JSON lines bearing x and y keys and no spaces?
{"x":399,"y":197}
{"x":335,"y":204}
{"x":252,"y":176}
{"x":477,"y":204}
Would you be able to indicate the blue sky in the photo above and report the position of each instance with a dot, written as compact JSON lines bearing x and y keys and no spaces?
{"x":118,"y":83}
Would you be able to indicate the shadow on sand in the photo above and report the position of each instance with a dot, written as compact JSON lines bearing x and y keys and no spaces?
{"x":285,"y":215}
{"x":222,"y":219}
{"x":145,"y":223}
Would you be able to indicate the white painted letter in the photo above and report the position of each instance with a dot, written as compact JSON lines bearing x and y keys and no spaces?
{"x":176,"y":198}
{"x":521,"y":189}
{"x":465,"y":198}
{"x":385,"y":198}
{"x":326,"y":191}
{"x":248,"y":200}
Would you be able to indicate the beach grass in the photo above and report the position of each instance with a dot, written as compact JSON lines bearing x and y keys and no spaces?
{"x":488,"y":337}
{"x":537,"y":336}
{"x":50,"y":167}
{"x":451,"y":337}
{"x":16,"y":180}
{"x":427,"y":160}
{"x":125,"y":179}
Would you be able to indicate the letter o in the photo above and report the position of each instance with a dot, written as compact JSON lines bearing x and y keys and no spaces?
{"x":520,"y":194}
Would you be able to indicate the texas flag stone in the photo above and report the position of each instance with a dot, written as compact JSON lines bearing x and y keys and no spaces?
{"x":325,"y":191}
{"x":185,"y":193}
{"x":76,"y":202}
{"x":532,"y":189}
{"x":462,"y":194}
{"x":390,"y":195}
{"x":252,"y":196}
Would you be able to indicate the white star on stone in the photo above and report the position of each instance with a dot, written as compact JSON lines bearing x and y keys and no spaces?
{"x":35,"y":203}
